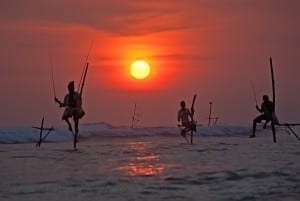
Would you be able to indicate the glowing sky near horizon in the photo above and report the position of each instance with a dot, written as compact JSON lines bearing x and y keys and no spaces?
{"x":210,"y":47}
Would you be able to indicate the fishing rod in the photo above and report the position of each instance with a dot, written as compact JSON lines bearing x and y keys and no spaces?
{"x":84,"y":76}
{"x":81,"y":85}
{"x":80,"y":93}
{"x":52,"y":74}
{"x":85,"y":66}
{"x":254,"y":92}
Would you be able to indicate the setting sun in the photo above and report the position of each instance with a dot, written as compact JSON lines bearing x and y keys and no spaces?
{"x":140,"y":69}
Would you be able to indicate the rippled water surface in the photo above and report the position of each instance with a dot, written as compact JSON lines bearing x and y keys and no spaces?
{"x":153,"y":168}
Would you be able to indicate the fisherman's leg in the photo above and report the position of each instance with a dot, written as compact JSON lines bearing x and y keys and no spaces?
{"x":76,"y":122}
{"x":184,"y":131}
{"x":255,"y":121}
{"x":194,"y":126}
{"x":67,"y":114}
{"x":191,"y":126}
{"x":274,"y":132}
{"x":253,"y":129}
{"x":69,"y":124}
{"x":183,"y":128}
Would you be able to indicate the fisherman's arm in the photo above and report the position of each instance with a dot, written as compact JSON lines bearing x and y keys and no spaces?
{"x":61,"y":104}
{"x":259,"y":109}
{"x":58,"y":101}
{"x":66,"y":100}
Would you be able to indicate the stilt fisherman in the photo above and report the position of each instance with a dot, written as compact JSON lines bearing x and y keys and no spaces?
{"x":267,"y":110}
{"x":73,"y":107}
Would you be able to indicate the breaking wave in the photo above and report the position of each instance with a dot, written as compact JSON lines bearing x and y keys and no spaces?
{"x":27,"y":134}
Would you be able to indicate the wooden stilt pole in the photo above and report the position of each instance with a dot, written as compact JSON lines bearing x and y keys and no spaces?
{"x":192,"y":118}
{"x":274,"y":120}
{"x":41,"y":132}
{"x":41,"y":128}
{"x":289,"y":126}
{"x":209,"y":116}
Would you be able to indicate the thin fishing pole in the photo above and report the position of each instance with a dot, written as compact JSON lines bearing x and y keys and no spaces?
{"x":52,"y":74}
{"x":254,"y":92}
{"x":84,"y":66}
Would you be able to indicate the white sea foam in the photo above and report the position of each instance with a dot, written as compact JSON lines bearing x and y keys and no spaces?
{"x":27,"y":134}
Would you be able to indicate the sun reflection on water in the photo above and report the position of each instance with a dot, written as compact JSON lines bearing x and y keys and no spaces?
{"x":143,"y":160}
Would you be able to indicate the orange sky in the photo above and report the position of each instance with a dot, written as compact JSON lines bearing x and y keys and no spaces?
{"x":209,"y":47}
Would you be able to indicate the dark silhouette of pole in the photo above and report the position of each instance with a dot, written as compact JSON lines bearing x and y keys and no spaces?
{"x":274,"y":120}
{"x":41,"y":128}
{"x":209,"y":115}
{"x":85,"y":63}
{"x":52,"y":74}
{"x":133,"y":116}
{"x":192,"y":117}
{"x":273,"y":84}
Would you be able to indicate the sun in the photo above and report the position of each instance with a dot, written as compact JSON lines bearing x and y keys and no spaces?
{"x":140,"y":69}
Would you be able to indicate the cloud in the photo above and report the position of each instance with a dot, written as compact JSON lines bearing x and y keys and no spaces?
{"x":115,"y":16}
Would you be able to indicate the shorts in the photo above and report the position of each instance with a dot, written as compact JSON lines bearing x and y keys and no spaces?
{"x":190,"y":126}
{"x":263,"y":117}
{"x":76,"y":113}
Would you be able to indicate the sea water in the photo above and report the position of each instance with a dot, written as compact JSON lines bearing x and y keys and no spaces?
{"x":150,"y":163}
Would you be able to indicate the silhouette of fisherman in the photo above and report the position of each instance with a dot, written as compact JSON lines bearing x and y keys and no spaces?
{"x":72,"y":103}
{"x":267,"y":110}
{"x":184,"y":116}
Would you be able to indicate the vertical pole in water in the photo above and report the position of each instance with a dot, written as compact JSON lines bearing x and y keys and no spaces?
{"x":273,"y":83}
{"x":75,"y":140}
{"x":82,"y":82}
{"x":209,"y":116}
{"x":41,"y":132}
{"x":274,"y":101}
{"x":133,"y":116}
{"x":192,"y":118}
{"x":192,"y":133}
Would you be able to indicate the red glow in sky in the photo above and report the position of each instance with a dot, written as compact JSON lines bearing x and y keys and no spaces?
{"x":212,"y":48}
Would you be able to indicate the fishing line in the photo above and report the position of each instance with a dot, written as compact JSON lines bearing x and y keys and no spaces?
{"x":52,"y":74}
{"x":254,"y":92}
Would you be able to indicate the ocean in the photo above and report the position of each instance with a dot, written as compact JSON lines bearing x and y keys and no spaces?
{"x":149,"y":163}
